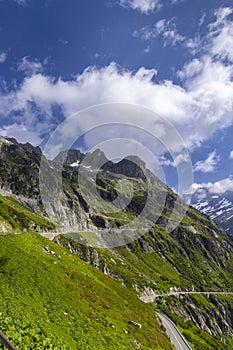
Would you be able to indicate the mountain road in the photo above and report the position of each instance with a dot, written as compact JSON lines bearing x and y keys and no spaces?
{"x":151,"y":298}
{"x":174,"y":334}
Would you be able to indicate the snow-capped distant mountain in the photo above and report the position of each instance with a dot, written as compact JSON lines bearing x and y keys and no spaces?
{"x":219,"y":207}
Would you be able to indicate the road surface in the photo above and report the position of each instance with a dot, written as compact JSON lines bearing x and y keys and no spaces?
{"x":151,"y":298}
{"x":174,"y":334}
{"x":49,"y":235}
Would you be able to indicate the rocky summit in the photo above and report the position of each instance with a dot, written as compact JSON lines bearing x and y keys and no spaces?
{"x":81,"y":283}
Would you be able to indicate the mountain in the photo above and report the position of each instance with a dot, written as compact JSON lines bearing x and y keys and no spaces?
{"x":149,"y":257}
{"x":219,"y":207}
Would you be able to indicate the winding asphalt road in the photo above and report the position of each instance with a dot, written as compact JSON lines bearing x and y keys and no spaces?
{"x":174,"y":334}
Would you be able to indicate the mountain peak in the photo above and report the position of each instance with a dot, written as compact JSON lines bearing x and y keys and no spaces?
{"x":7,"y":141}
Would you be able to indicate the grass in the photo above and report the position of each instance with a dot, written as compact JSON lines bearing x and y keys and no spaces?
{"x":134,"y":266}
{"x":157,"y":260}
{"x":51,"y":303}
{"x":18,"y":217}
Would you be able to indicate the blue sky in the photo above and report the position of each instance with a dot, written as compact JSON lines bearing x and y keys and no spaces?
{"x":174,"y":57}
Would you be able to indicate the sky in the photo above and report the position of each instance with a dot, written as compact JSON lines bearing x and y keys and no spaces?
{"x":172,"y":57}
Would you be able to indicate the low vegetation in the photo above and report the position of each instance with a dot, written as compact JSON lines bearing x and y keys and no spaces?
{"x":17,"y":217}
{"x":56,"y":301}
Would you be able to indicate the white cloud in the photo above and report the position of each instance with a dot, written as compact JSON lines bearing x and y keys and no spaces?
{"x":94,"y":86}
{"x":166,"y":29}
{"x":221,"y":15}
{"x":174,"y":2}
{"x":146,"y":74}
{"x":231,"y":155}
{"x":30,"y":67}
{"x":39,"y":93}
{"x":218,"y":187}
{"x":165,"y":161}
{"x":191,"y":69}
{"x":208,"y":165}
{"x":196,"y":113}
{"x":63,"y":41}
{"x":21,"y":2}
{"x":21,"y":133}
{"x":144,"y":6}
{"x":147,"y":49}
{"x":202,"y":20}
{"x":3,"y":57}
{"x":222,"y":186}
{"x":179,"y":159}
{"x":221,"y":35}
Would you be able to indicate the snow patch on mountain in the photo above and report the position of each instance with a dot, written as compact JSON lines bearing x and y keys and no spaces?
{"x":219,"y":207}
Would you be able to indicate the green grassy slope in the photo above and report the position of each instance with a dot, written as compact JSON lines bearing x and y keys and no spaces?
{"x":161,"y":260}
{"x":59,"y":302}
{"x":15,"y":216}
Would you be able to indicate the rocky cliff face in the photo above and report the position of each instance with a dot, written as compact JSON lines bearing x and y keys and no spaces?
{"x":132,"y":167}
{"x":210,"y":313}
{"x":70,"y":157}
{"x":19,"y":168}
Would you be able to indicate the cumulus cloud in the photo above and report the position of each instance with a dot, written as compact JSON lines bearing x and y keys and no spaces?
{"x":95,"y":86}
{"x":3,"y":57}
{"x":194,"y":117}
{"x":231,"y":155}
{"x":208,"y":165}
{"x":218,"y":187}
{"x":144,"y":6}
{"x":22,"y":133}
{"x":39,"y":93}
{"x":222,"y":186}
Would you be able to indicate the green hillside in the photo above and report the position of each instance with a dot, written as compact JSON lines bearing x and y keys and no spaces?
{"x":16,"y":217}
{"x":53,"y":300}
